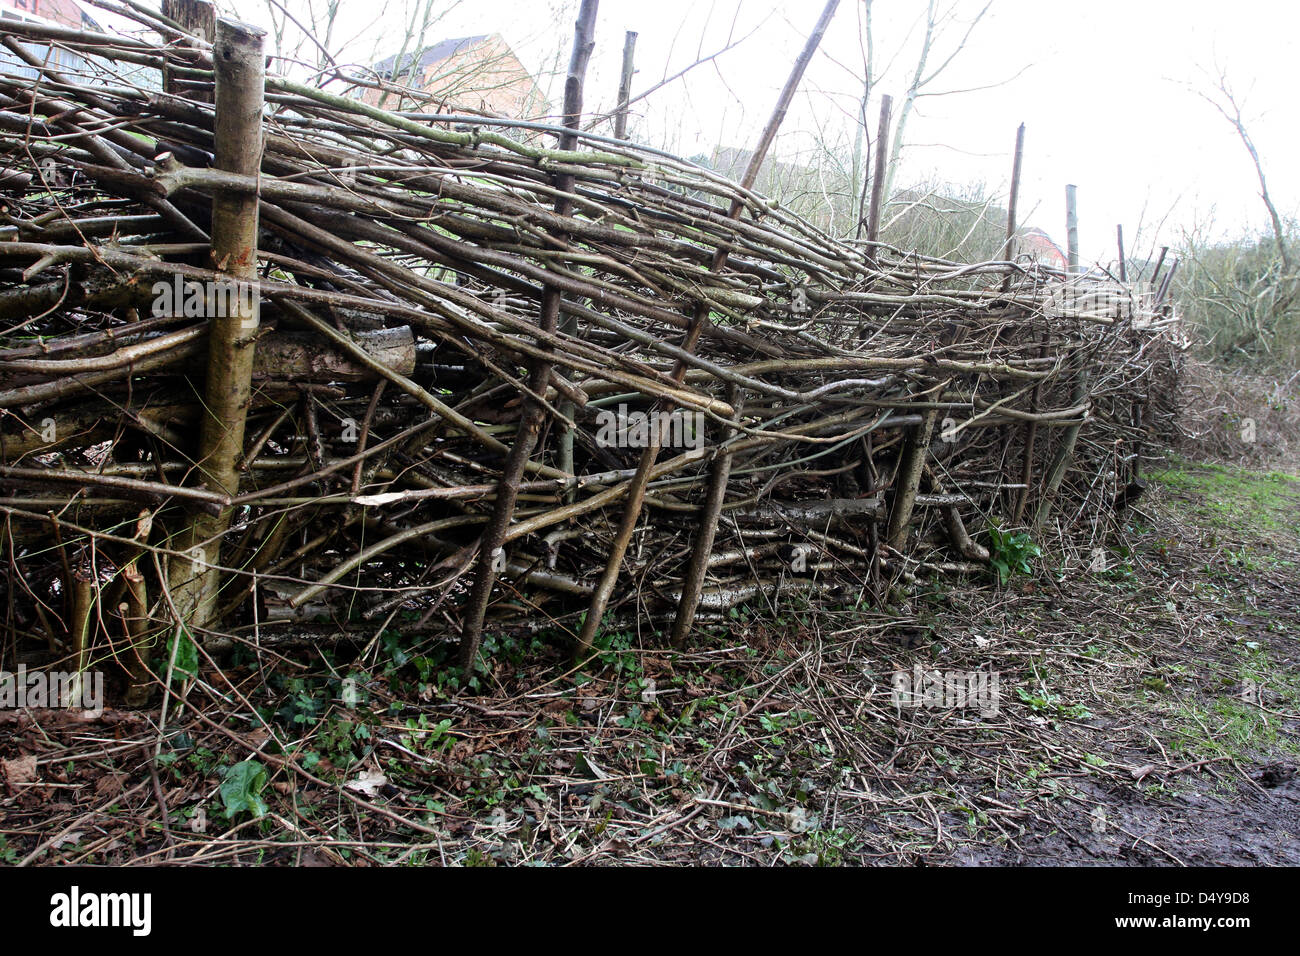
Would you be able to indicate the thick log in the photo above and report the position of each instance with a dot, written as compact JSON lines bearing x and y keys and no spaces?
{"x":298,"y":356}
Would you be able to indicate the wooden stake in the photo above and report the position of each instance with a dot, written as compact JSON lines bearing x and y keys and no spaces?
{"x":1064,"y":455}
{"x":134,"y":612}
{"x":83,"y":603}
{"x":198,"y":18}
{"x":625,"y":85}
{"x":1168,"y":281}
{"x":1072,"y":228}
{"x":1009,"y":246}
{"x":697,"y":570}
{"x":239,"y":65}
{"x":1030,"y":432}
{"x":1164,"y":251}
{"x":911,"y":467}
{"x":878,"y":176}
{"x":1123,"y":265}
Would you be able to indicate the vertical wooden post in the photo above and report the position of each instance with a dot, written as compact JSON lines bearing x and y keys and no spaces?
{"x":134,"y":614}
{"x":1160,"y":262}
{"x":85,"y":593}
{"x":1072,"y":228}
{"x":490,"y":556}
{"x":1135,"y":468}
{"x":198,"y":18}
{"x":911,"y":467}
{"x":637,"y":485}
{"x":568,"y":323}
{"x":1063,"y":457}
{"x":1030,"y":433}
{"x":1009,"y":246}
{"x":1168,"y":281}
{"x":697,"y":569}
{"x":1119,"y":240}
{"x":878,"y":177}
{"x":625,"y":85}
{"x":1008,"y":253}
{"x":233,"y":312}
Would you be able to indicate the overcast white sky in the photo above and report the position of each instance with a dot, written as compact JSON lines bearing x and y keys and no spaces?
{"x":1107,"y":90}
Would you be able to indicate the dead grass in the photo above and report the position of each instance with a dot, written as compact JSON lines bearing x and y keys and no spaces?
{"x":1238,"y":417}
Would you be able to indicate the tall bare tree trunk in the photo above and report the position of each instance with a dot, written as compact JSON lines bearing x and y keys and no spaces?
{"x":625,"y":84}
{"x":858,"y":178}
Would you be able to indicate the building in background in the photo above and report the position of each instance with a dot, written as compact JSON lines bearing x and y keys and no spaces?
{"x":65,"y":13}
{"x":1038,"y":246}
{"x":479,"y":73}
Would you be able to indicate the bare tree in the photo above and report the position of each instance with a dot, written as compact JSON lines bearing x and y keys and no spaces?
{"x":937,"y":24}
{"x":835,"y":185}
{"x":1226,"y":102}
{"x":1242,"y":294}
{"x":858,"y":182}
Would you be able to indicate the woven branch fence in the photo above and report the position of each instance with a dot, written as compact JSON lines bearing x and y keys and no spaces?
{"x":275,"y":364}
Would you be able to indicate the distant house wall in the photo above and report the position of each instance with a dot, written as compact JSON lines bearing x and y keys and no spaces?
{"x":63,"y":12}
{"x":481,"y":73}
{"x":1039,"y":246}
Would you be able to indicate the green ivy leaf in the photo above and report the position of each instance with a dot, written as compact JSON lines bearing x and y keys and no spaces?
{"x":186,"y":654}
{"x":242,"y":788}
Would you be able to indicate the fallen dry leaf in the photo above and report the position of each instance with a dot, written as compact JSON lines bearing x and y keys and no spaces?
{"x":21,"y":770}
{"x":67,"y":839}
{"x":368,"y":782}
{"x":107,"y":785}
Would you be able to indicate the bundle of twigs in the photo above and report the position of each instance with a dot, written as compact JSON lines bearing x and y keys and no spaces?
{"x":619,"y":381}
